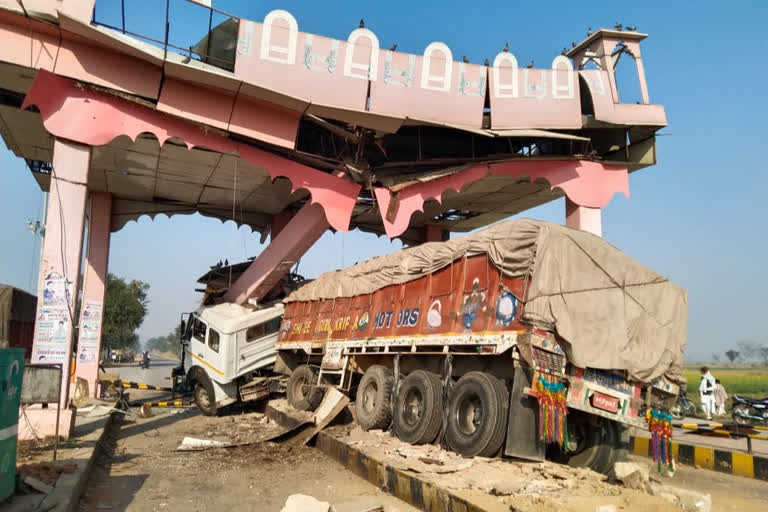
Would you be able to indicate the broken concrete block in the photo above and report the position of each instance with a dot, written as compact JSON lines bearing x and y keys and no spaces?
{"x":623,"y":469}
{"x":192,"y":444}
{"x":634,"y":480}
{"x":38,"y":485}
{"x":507,"y":487}
{"x":304,"y":503}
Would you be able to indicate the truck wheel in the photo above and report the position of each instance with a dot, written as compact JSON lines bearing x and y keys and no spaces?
{"x":373,"y":402}
{"x":301,"y":390}
{"x":614,"y":447}
{"x":205,"y":398}
{"x":419,"y":406}
{"x":477,"y":415}
{"x":589,"y":447}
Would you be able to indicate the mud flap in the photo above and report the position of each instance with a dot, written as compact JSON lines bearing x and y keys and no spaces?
{"x":522,"y":433}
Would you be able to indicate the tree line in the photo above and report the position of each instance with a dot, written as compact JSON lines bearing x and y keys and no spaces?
{"x":748,"y":352}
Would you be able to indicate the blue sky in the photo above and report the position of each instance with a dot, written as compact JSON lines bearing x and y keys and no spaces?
{"x":700,"y":216}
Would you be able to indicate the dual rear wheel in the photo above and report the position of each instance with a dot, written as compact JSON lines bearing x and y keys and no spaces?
{"x":477,"y":413}
{"x":477,"y":409}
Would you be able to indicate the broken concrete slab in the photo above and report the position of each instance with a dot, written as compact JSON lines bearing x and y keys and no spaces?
{"x":304,"y":503}
{"x":191,"y":444}
{"x":506,"y":487}
{"x":623,"y":469}
{"x":38,"y":485}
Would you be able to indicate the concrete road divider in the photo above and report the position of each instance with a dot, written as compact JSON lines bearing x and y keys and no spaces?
{"x":724,"y":461}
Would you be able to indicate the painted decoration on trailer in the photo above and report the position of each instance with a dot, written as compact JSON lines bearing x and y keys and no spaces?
{"x":506,"y":308}
{"x":434,"y":317}
{"x":473,"y":303}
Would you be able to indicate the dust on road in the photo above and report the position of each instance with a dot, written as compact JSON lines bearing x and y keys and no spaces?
{"x":146,"y":473}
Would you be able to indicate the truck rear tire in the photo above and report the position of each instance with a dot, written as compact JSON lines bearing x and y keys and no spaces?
{"x":613,"y":448}
{"x":373,"y":401}
{"x":301,"y":391}
{"x":419,"y":407}
{"x":477,"y":415}
{"x":598,"y":447}
{"x":205,"y":398}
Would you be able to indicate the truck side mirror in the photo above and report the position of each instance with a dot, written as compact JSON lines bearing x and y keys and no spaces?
{"x":183,"y":329}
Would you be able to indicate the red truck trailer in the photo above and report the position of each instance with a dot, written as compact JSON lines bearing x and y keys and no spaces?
{"x":526,"y":338}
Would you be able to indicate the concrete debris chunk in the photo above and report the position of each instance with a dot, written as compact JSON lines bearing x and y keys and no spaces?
{"x":621,"y":470}
{"x":192,"y":444}
{"x":542,"y":487}
{"x":507,"y":487}
{"x":304,"y":503}
{"x":606,"y":508}
{"x":634,"y":480}
{"x":38,"y":485}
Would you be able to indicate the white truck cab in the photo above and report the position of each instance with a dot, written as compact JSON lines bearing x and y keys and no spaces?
{"x":227,"y":353}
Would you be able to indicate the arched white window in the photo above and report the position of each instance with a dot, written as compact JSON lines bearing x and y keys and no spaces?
{"x":362,"y":38}
{"x":504,"y":60}
{"x":438,"y":52}
{"x":562,"y":90}
{"x":275,"y":52}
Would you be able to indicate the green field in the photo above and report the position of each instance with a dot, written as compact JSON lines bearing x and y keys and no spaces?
{"x":745,"y":381}
{"x":736,"y":380}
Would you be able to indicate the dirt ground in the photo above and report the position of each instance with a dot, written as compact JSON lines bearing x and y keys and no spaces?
{"x":146,"y":473}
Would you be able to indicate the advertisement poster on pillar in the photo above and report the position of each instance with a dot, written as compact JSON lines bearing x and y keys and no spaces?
{"x":53,"y":322}
{"x":90,"y":325}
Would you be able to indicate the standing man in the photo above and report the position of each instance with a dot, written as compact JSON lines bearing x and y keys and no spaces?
{"x":720,"y":397}
{"x":707,"y":392}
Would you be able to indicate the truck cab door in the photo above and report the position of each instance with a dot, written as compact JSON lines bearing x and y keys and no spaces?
{"x":205,"y":348}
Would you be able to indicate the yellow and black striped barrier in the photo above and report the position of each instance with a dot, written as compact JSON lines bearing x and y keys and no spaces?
{"x":724,"y":461}
{"x":127,"y":384}
{"x":730,"y":429}
{"x":174,"y":403}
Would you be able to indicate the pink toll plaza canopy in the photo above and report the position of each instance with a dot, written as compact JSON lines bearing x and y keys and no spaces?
{"x":259,"y":119}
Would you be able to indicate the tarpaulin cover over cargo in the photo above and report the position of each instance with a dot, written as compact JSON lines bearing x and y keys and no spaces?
{"x":613,"y":312}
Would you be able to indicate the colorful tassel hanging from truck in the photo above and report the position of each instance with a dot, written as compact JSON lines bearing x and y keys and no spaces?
{"x":660,"y":426}
{"x":553,"y":411}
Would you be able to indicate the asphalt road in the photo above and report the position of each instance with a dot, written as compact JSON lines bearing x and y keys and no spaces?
{"x":155,"y":375}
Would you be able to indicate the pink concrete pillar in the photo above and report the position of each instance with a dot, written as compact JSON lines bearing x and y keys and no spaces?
{"x":58,"y":280}
{"x":279,"y":221}
{"x":283,"y":251}
{"x":94,"y":286}
{"x":583,"y":218}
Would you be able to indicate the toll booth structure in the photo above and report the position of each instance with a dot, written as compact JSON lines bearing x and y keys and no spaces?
{"x":292,"y":134}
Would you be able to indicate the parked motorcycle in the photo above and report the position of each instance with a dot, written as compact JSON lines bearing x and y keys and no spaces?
{"x":749,"y":410}
{"x":683,"y":407}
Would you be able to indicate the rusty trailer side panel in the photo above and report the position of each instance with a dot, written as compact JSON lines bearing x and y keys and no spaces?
{"x":468,"y":297}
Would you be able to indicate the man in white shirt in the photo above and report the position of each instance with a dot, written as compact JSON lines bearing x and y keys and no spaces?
{"x":707,"y":392}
